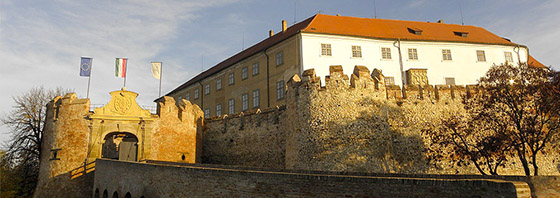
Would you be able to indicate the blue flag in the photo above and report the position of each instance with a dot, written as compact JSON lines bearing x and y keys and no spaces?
{"x":85,"y":66}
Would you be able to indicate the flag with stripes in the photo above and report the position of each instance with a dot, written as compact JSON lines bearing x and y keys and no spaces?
{"x":120,"y":67}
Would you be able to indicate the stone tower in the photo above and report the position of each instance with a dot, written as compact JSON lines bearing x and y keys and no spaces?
{"x":64,"y":149}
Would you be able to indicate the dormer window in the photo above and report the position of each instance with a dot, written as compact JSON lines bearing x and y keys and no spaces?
{"x":461,"y":34}
{"x":415,"y":31}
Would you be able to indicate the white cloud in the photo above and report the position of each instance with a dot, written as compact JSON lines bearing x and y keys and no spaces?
{"x":41,"y":44}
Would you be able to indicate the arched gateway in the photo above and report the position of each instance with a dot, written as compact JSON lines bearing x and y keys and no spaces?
{"x":75,"y":137}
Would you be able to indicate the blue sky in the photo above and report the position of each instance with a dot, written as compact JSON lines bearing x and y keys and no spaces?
{"x":41,"y":42}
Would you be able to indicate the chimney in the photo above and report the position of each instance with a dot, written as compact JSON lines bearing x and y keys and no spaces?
{"x":440,"y":21}
{"x":270,"y":33}
{"x":284,"y":25}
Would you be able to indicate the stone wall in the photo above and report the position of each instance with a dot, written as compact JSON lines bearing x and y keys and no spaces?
{"x":358,"y":124}
{"x":195,"y":180}
{"x":65,"y":149}
{"x":255,"y":139}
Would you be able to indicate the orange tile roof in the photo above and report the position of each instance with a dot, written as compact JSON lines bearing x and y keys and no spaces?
{"x":535,"y":63}
{"x":362,"y":27}
{"x":397,"y":29}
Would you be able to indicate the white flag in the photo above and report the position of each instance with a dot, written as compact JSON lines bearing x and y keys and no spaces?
{"x":156,"y":70}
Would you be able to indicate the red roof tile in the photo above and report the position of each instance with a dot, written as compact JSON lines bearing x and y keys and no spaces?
{"x":397,"y":29}
{"x":535,"y":63}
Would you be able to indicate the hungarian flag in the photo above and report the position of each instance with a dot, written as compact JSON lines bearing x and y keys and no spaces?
{"x":120,"y":67}
{"x":156,"y":70}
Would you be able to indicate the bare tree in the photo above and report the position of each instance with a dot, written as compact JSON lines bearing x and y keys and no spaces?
{"x":26,"y":123}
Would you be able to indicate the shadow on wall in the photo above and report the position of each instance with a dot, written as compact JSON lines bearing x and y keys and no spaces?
{"x":377,"y":140}
{"x":75,"y":183}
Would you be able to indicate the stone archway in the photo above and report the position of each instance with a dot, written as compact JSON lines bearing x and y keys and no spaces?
{"x":120,"y":146}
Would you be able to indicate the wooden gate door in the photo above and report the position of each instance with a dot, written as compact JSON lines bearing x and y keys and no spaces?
{"x":128,"y":150}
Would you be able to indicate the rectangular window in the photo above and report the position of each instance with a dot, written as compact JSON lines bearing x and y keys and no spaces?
{"x":279,"y":58}
{"x":196,"y":94}
{"x":188,"y":96}
{"x":218,"y":109}
{"x":256,"y":98}
{"x":280,"y":90}
{"x":231,"y":106}
{"x":356,"y":51}
{"x":480,"y":56}
{"x":244,"y":102}
{"x":231,"y":79}
{"x":389,"y":80}
{"x":412,"y":54}
{"x":206,"y":89}
{"x":255,"y":68}
{"x":244,"y":73}
{"x":385,"y":53}
{"x":446,"y":53}
{"x":219,"y":84}
{"x":326,"y":49}
{"x":449,"y":81}
{"x":207,"y":112}
{"x":509,"y":57}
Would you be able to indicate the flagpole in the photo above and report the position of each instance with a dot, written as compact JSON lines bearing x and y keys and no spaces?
{"x":160,"y":76}
{"x":89,"y":77}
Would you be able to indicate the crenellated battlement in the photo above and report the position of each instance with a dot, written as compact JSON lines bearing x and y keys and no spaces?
{"x":362,"y":79}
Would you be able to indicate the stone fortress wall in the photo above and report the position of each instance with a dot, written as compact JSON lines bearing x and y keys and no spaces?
{"x":351,"y":123}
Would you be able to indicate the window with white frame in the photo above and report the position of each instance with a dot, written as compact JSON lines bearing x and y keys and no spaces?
{"x":244,"y":102}
{"x":188,"y":96}
{"x":449,"y":81}
{"x":509,"y":57}
{"x":356,"y":51}
{"x":219,"y":84}
{"x":207,"y":112}
{"x":231,"y":79}
{"x":196,"y":94}
{"x":280,"y":90}
{"x":446,"y":53}
{"x":218,"y":109}
{"x":326,"y":49}
{"x":385,"y":53}
{"x":279,"y":58}
{"x":412,"y":54}
{"x":255,"y":68}
{"x":256,"y":98}
{"x":206,"y":89}
{"x":244,"y":73}
{"x":480,"y":56}
{"x":231,"y":106}
{"x":389,"y":80}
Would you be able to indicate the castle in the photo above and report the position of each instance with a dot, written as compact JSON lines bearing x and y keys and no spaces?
{"x":354,"y":136}
{"x":408,"y":53}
